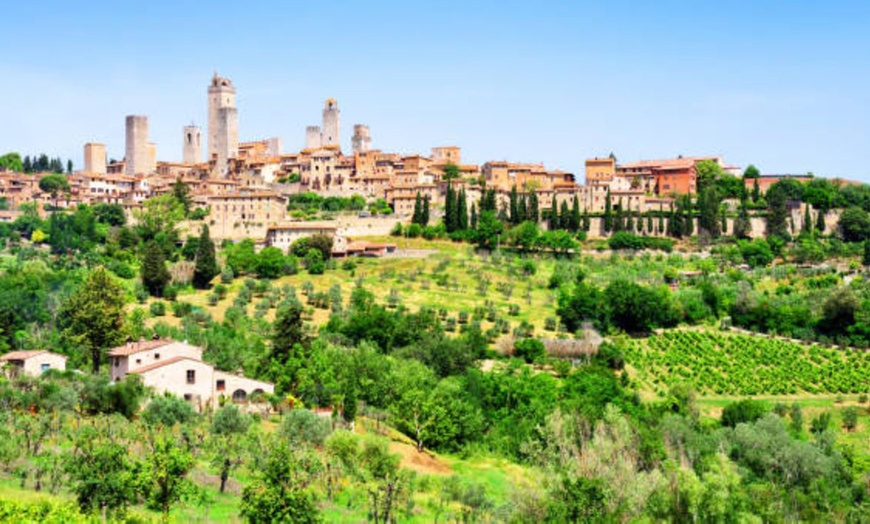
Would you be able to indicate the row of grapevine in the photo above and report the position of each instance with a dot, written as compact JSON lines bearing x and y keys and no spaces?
{"x":736,"y":364}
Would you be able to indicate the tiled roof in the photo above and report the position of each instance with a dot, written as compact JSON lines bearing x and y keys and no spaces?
{"x":135,"y":347}
{"x":160,"y":364}
{"x":22,"y":355}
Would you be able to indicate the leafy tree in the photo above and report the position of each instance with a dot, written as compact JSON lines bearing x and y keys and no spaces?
{"x":855,"y":224}
{"x":270,"y":262}
{"x":155,"y":275}
{"x":279,"y":491}
{"x":241,"y":258}
{"x":525,"y":236}
{"x":158,"y":220}
{"x":751,"y":172}
{"x":289,"y":345}
{"x":839,"y":311}
{"x":182,"y":194}
{"x":529,"y":349}
{"x":387,"y":485}
{"x":12,"y":162}
{"x":101,"y":474}
{"x":93,"y":316}
{"x":850,"y":418}
{"x":489,"y":230}
{"x":54,"y":185}
{"x":303,"y":426}
{"x":164,"y":475}
{"x":111,"y":214}
{"x":314,"y":262}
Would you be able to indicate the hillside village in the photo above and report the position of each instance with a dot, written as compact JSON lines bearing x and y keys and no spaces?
{"x":246,"y":185}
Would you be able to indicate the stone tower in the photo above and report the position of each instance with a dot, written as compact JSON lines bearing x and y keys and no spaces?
{"x":312,"y":137}
{"x":223,"y":122}
{"x":362,"y":139}
{"x":192,"y":149}
{"x":137,"y":155}
{"x":95,"y":158}
{"x":331,"y":124}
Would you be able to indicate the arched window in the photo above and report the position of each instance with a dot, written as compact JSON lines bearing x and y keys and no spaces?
{"x":239,"y":395}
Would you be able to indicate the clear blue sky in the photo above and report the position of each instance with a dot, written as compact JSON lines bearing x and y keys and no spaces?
{"x":782,"y":84}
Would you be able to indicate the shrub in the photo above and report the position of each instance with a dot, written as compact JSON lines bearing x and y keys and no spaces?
{"x":529,"y":349}
{"x":157,"y":308}
{"x":227,"y":274}
{"x":304,"y":426}
{"x":180,"y":309}
{"x":746,"y":410}
{"x":167,"y":411}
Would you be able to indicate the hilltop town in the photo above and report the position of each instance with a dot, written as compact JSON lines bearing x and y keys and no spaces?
{"x":246,"y":185}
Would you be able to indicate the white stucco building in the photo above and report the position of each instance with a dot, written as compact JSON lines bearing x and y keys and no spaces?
{"x":34,"y":362}
{"x":177,"y":367}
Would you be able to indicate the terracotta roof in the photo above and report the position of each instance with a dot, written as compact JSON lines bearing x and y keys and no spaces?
{"x":23,"y":355}
{"x":135,"y":347}
{"x":160,"y":364}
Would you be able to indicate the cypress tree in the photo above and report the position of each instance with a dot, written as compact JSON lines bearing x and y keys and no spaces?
{"x":617,"y":219}
{"x":461,"y":211}
{"x":608,"y":213}
{"x":672,"y":223}
{"x":808,"y":220}
{"x":575,"y":215}
{"x":155,"y":276}
{"x":473,"y":216}
{"x":688,"y":222}
{"x":587,"y":220}
{"x":742,"y":225}
{"x":532,"y":211}
{"x":449,"y":209}
{"x":206,"y":266}
{"x":415,"y":219}
{"x":661,"y":228}
{"x":649,"y":222}
{"x":866,"y":258}
{"x":629,"y":221}
{"x":424,"y":214}
{"x":514,"y":219}
{"x":565,"y":217}
{"x":820,"y":220}
{"x":756,"y":191}
{"x":521,"y":210}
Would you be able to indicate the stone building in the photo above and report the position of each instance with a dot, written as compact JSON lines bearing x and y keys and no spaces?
{"x":247,"y":214}
{"x":223,"y":123}
{"x":192,"y":148}
{"x":312,"y":137}
{"x":95,"y":158}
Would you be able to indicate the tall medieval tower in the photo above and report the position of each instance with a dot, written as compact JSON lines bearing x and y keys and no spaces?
{"x":331,"y":124}
{"x":223,"y":122}
{"x":137,"y":152}
{"x":192,"y":149}
{"x":362,"y":139}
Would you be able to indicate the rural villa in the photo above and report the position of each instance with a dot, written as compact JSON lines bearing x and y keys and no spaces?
{"x":177,"y":367}
{"x":34,"y":362}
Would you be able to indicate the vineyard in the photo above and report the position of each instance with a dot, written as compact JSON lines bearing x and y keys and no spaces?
{"x":735,"y":364}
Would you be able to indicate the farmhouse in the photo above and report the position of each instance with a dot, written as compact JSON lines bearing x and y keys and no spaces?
{"x":33,"y":362}
{"x":177,"y":368}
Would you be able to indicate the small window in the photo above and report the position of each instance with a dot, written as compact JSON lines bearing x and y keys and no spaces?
{"x":187,"y":397}
{"x":117,"y":362}
{"x":221,"y":385}
{"x":44,"y":367}
{"x":139,"y":360}
{"x":191,"y":376}
{"x":156,"y":356}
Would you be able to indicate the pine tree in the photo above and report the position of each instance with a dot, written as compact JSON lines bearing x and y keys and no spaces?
{"x":514,"y":219}
{"x":462,"y":211}
{"x":424,"y":215}
{"x":608,"y":213}
{"x":206,"y":266}
{"x":416,"y":217}
{"x":155,"y":276}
